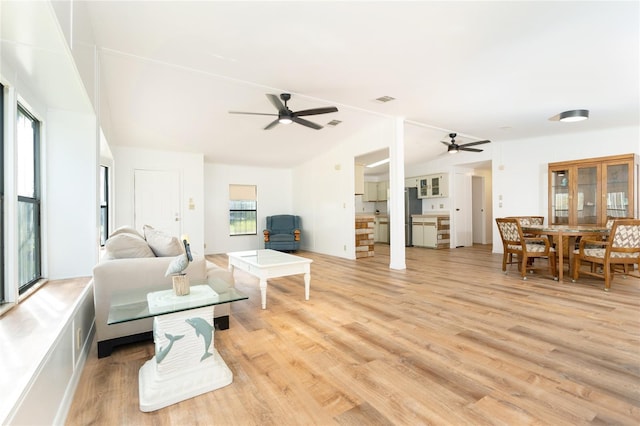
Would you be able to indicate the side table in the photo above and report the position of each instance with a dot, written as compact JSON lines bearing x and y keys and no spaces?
{"x":186,"y":363}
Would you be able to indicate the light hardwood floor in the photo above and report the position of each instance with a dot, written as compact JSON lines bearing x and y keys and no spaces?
{"x":449,"y":341}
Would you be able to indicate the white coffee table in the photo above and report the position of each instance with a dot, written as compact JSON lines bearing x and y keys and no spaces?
{"x":265,"y":264}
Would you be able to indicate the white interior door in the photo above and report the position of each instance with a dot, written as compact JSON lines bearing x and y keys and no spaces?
{"x":478,"y":210}
{"x":157,"y":200}
{"x":462,"y":210}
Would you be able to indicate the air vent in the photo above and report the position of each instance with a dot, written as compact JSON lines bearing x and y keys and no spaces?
{"x":384,"y":99}
{"x":334,"y":123}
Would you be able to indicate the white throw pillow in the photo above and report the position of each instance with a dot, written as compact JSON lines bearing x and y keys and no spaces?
{"x":162,"y":244}
{"x":127,"y":246}
{"x":126,"y":230}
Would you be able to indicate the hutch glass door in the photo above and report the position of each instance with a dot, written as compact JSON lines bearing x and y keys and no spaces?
{"x":587,"y":195}
{"x":618,"y":191}
{"x":560,"y":197}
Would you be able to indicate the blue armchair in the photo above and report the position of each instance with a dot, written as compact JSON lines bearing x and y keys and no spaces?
{"x":282,"y":233}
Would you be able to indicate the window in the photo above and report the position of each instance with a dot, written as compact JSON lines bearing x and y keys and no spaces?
{"x":28,"y":187}
{"x":242,"y":210}
{"x":104,"y":204}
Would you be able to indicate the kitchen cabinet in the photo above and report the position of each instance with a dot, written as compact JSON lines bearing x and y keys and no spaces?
{"x":430,"y":231}
{"x":381,"y":229}
{"x":370,"y":191}
{"x":411,"y":182}
{"x":382,"y":190}
{"x":375,"y":191}
{"x":359,"y":178}
{"x":433,"y":186}
{"x":587,"y":192}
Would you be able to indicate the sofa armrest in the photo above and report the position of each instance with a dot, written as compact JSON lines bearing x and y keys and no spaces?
{"x":214,"y":271}
{"x":110,"y":276}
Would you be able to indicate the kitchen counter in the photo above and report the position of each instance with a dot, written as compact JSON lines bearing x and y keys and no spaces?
{"x":364,"y":224}
{"x":431,"y":230}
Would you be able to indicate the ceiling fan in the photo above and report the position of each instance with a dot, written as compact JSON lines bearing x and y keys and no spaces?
{"x":453,"y":147}
{"x":286,"y":116}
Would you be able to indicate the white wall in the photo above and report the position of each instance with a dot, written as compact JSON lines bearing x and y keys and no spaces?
{"x":72,"y":202}
{"x":45,"y":81}
{"x":191,"y":168}
{"x":520,"y":168}
{"x":274,"y":189}
{"x":323,"y":191}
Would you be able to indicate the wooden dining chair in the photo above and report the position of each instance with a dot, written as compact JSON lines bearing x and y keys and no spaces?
{"x":526,"y":221}
{"x":524,"y":248}
{"x":622,"y":248}
{"x":529,"y":220}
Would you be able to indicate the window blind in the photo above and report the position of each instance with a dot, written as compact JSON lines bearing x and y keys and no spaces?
{"x":242,"y":192}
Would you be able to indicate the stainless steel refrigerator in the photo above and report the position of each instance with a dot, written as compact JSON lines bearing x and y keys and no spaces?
{"x":412,"y":205}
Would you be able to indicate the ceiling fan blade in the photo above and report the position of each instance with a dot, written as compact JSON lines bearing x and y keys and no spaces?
{"x":275,"y":100}
{"x":252,"y":113}
{"x":306,"y":123}
{"x":463,"y":148}
{"x":475,"y":143}
{"x":273,"y":124}
{"x":446,"y":143}
{"x":315,"y":111}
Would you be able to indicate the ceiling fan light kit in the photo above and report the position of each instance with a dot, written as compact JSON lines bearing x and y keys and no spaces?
{"x":574,"y":115}
{"x":286,"y":116}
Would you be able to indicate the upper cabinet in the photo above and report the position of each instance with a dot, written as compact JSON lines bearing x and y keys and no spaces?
{"x":411,"y":182}
{"x":375,"y":191}
{"x":433,"y":186}
{"x":587,"y":192}
{"x":359,"y":179}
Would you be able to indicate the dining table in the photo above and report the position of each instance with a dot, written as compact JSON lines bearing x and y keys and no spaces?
{"x":556,"y":234}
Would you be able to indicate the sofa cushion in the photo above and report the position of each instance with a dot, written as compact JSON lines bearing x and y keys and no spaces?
{"x":126,"y":230}
{"x":126,"y":246}
{"x":162,"y":244}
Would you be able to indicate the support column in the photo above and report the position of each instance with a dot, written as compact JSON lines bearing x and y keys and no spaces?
{"x":396,"y":194}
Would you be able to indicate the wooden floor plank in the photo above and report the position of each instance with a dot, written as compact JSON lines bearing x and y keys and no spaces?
{"x":449,"y":340}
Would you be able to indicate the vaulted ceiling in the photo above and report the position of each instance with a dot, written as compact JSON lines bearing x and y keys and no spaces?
{"x":171,"y":70}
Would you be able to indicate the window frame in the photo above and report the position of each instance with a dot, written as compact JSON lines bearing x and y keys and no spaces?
{"x":243,"y":203}
{"x":34,"y":201}
{"x":104,"y":204}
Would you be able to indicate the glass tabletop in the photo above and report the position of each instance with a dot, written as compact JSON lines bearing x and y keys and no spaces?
{"x":268,"y":257}
{"x":130,"y":305}
{"x":567,"y":228}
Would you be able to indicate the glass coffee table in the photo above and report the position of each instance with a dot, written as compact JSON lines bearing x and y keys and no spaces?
{"x":186,"y":364}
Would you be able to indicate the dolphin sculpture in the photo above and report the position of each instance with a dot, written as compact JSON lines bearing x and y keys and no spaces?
{"x":204,"y":329}
{"x":163,"y":352}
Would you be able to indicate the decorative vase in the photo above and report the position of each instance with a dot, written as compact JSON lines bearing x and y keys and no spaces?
{"x":181,"y":285}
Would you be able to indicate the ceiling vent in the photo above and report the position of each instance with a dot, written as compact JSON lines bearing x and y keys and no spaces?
{"x":384,"y":99}
{"x":334,"y":123}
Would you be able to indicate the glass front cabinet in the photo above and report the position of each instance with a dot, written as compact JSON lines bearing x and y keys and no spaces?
{"x":433,"y":186}
{"x":588,"y":192}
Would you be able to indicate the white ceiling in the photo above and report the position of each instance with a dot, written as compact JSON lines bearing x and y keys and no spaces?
{"x":171,"y":71}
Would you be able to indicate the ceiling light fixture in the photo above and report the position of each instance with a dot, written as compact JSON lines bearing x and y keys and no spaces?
{"x":453,"y":149}
{"x":285,"y":120}
{"x":378,"y":163}
{"x":574,"y":115}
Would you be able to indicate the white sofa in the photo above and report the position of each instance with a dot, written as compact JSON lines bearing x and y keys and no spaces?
{"x":114,"y":273}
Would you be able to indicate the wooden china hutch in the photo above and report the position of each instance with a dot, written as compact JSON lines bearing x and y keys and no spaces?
{"x":587,"y":192}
